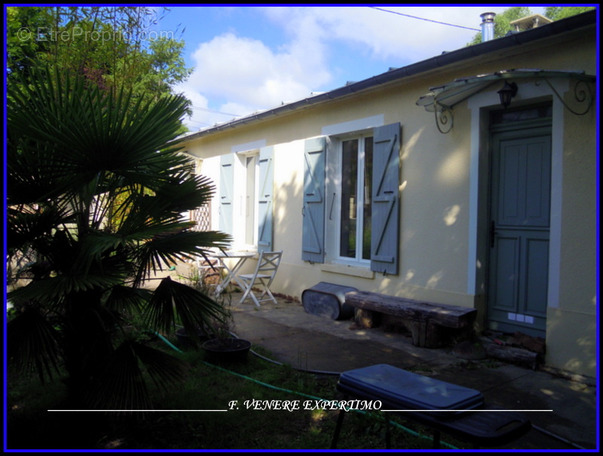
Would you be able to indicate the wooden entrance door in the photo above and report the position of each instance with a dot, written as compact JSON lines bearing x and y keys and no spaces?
{"x":519,"y":231}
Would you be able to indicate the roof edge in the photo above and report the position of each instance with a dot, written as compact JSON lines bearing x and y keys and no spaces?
{"x":448,"y":58}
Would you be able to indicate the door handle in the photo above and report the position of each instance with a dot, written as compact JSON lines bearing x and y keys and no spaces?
{"x":492,"y":233}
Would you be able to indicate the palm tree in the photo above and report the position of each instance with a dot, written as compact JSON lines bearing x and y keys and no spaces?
{"x":96,"y":192}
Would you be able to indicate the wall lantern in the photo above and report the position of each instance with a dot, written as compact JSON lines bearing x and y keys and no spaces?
{"x":507,"y":93}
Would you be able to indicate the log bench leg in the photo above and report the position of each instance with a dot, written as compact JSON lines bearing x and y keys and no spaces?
{"x":366,"y":318}
{"x":418,"y":331}
{"x":426,"y":334}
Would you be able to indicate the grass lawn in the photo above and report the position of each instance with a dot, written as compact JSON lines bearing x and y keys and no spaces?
{"x":207,"y":388}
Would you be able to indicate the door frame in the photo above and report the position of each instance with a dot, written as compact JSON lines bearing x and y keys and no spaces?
{"x":480,"y":106}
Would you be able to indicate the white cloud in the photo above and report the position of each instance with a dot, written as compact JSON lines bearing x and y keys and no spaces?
{"x":242,"y":75}
{"x":246,"y":75}
{"x":387,"y":36}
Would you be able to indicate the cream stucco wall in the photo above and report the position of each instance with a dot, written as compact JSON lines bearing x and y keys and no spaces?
{"x":441,"y":249}
{"x":572,"y":320}
{"x":434,"y":196}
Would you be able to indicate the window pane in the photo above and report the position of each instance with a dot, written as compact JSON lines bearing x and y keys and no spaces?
{"x":515,"y":115}
{"x":349,"y":182}
{"x":368,"y":192}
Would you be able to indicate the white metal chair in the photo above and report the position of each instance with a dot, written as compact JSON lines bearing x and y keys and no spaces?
{"x":265,"y":271}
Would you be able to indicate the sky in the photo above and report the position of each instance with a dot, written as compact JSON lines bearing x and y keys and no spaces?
{"x":249,"y":59}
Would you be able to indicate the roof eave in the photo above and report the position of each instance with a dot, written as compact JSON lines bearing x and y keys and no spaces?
{"x":433,"y":63}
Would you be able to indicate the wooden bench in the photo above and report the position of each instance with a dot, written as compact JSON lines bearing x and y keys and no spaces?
{"x":430,"y":324}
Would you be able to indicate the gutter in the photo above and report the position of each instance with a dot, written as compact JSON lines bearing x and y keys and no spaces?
{"x":448,"y":58}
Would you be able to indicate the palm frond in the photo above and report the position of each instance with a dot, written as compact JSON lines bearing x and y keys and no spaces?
{"x":53,"y":288}
{"x":28,"y":224}
{"x":121,"y":385}
{"x":126,"y":299}
{"x":119,"y":136}
{"x":173,"y":302}
{"x":164,"y":369}
{"x":96,"y":193}
{"x":166,"y":249}
{"x":33,"y":344}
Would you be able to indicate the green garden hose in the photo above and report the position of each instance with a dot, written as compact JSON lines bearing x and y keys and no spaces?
{"x":277,"y":388}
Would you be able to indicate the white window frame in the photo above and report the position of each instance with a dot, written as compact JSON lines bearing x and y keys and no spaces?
{"x":240,"y":196}
{"x":334,"y":203}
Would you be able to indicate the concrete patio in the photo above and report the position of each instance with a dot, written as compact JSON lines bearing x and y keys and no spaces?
{"x":310,"y":342}
{"x":316,"y":343}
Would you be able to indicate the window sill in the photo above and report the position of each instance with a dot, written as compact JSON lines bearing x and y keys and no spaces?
{"x":348,"y":270}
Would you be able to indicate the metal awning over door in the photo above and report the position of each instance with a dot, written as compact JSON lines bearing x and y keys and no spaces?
{"x":442,"y":99}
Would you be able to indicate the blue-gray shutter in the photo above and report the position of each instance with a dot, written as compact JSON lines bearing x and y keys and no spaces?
{"x":265,"y":198}
{"x":226,"y":193}
{"x":386,"y":199}
{"x":314,"y":200}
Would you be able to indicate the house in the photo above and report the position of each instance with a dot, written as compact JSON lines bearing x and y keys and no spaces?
{"x":419,"y":183}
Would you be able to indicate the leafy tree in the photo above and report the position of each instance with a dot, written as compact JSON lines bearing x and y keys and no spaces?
{"x":556,"y":13}
{"x":113,"y":47}
{"x":21,"y":46}
{"x":502,"y":22}
{"x":96,"y":193}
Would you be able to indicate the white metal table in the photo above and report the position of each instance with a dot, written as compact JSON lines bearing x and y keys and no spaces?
{"x":232,"y":267}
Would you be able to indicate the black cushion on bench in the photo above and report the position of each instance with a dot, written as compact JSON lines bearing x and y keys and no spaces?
{"x":401,"y":389}
{"x":471,"y":422}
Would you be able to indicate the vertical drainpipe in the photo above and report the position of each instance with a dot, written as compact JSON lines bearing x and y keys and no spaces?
{"x":487,"y":26}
